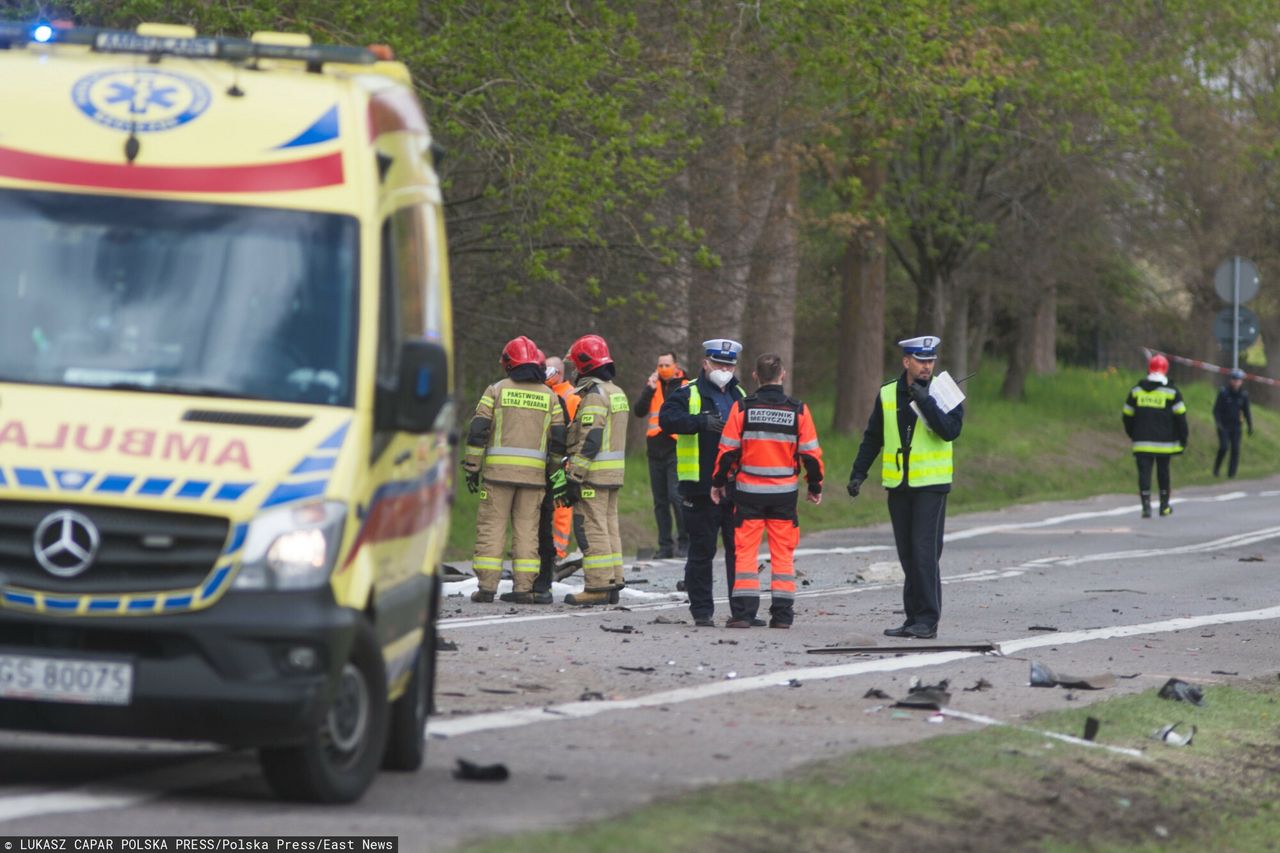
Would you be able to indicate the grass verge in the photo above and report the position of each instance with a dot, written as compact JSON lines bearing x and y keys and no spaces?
{"x":993,"y":789}
{"x":1064,"y":441}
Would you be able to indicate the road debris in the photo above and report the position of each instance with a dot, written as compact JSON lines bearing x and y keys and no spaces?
{"x":591,"y":696}
{"x":448,"y":571}
{"x":1041,"y":628}
{"x":913,"y":648}
{"x":1253,"y":558}
{"x":446,"y":646}
{"x":932,"y":697}
{"x":638,"y":668}
{"x":502,"y":690}
{"x":1171,"y":736}
{"x":876,"y":693}
{"x":1042,"y":676}
{"x":1072,"y":739}
{"x":1180,"y":691}
{"x":470,"y":772}
{"x":1222,"y":672}
{"x":1091,"y":726}
{"x":663,"y":619}
{"x":982,"y":684}
{"x":625,"y":629}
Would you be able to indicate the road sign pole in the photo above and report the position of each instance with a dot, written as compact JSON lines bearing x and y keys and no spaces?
{"x":1235,"y":312}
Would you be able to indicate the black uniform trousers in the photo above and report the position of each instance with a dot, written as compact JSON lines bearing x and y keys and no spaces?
{"x":547,"y":544}
{"x":1145,"y":461}
{"x":918,"y":518}
{"x":705,"y":521}
{"x":1228,"y":439}
{"x":666,"y":500}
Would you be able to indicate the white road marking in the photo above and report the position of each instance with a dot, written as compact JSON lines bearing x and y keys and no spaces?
{"x":1078,"y":741}
{"x":124,"y":791}
{"x":474,"y":723}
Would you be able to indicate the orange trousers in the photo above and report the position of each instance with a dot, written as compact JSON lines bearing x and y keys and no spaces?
{"x":561,"y":528}
{"x":784,"y":535}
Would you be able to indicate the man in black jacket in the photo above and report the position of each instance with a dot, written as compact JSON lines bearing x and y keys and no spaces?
{"x":1155,"y":418}
{"x":916,"y":469}
{"x":661,"y":449}
{"x":696,"y":414}
{"x":1231,"y":407}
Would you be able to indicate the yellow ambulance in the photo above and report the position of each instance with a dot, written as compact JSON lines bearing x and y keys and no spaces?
{"x":225,"y":424}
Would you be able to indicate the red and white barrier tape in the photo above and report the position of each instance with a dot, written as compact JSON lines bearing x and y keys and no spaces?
{"x":1212,"y":368}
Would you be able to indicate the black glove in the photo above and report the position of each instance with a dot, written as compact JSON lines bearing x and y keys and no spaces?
{"x":559,"y":485}
{"x":711,"y":423}
{"x":918,"y":392}
{"x":473,"y":481}
{"x":855,"y":486}
{"x":572,"y":492}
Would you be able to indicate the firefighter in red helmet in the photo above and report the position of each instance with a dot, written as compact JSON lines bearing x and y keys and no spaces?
{"x":1155,"y":419}
{"x":514,"y":447}
{"x":597,"y":440}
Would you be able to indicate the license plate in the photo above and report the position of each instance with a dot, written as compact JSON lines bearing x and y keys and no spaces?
{"x":91,"y":682}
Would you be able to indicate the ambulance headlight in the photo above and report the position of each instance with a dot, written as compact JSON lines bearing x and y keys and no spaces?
{"x":292,"y":547}
{"x":42,"y":33}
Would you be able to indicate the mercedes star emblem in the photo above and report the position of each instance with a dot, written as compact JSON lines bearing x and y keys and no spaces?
{"x":66,"y":543}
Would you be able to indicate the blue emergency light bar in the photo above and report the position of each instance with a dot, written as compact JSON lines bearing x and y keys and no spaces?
{"x":16,"y":34}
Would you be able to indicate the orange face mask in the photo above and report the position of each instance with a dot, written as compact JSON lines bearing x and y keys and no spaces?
{"x":666,"y":372}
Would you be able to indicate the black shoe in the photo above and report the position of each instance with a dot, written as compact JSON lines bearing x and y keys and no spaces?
{"x":705,"y":622}
{"x":774,"y":623}
{"x":738,"y":622}
{"x":900,"y":631}
{"x":541,"y":596}
{"x":757,"y":622}
{"x":664,"y":554}
{"x":517,"y":597}
{"x":922,"y":632}
{"x":679,"y":586}
{"x":482,"y":596}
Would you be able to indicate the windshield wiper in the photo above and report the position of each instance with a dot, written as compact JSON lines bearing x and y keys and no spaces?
{"x":192,"y":390}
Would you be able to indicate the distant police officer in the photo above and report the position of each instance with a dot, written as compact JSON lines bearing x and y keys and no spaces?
{"x":1231,"y":407}
{"x":696,"y":413}
{"x":916,"y":468}
{"x":516,"y":442}
{"x":597,"y":462}
{"x":1155,"y":418}
{"x":768,"y":439}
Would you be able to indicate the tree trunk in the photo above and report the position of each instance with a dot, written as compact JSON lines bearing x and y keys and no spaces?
{"x":771,"y":317}
{"x":931,"y":301}
{"x":955,"y":338}
{"x":1044,"y":338}
{"x":860,"y":338}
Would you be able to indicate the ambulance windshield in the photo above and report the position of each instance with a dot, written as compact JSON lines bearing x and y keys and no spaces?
{"x":177,"y":297}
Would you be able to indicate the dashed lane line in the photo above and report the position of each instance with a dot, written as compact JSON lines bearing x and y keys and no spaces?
{"x":476,"y":723}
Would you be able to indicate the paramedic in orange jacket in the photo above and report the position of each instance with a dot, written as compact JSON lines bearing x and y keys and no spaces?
{"x":767,"y":439}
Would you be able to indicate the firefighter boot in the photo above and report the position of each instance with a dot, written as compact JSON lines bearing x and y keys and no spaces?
{"x":1165,"y":509}
{"x":619,"y":581}
{"x":488,"y":579}
{"x":1146,"y":504}
{"x":599,"y":584}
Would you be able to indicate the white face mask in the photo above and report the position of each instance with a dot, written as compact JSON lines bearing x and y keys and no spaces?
{"x":550,"y":371}
{"x":720,"y":377}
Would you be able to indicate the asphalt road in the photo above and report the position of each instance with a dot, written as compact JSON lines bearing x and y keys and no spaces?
{"x":598,"y":711}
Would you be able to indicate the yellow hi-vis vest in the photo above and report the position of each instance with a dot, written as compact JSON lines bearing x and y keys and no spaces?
{"x":929,"y":456}
{"x":688,"y":454}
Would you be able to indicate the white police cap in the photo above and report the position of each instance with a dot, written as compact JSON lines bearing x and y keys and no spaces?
{"x":924,"y":348}
{"x":722,"y":350}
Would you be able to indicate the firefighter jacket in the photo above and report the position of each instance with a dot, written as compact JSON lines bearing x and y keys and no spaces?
{"x":685,"y":413}
{"x":517,"y":435}
{"x":1155,"y":417}
{"x":1230,"y":408}
{"x":598,"y":434}
{"x":658,"y":442}
{"x":912,"y":455}
{"x":571,"y":400}
{"x":768,"y":438}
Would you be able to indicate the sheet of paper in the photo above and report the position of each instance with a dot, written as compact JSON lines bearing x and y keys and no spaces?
{"x":945,"y":391}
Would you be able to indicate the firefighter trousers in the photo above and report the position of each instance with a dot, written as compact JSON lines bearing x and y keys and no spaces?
{"x":602,"y":556}
{"x":502,"y":504}
{"x":783,"y":528}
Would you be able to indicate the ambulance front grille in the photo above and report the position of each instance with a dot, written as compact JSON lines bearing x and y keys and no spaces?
{"x":138,"y":550}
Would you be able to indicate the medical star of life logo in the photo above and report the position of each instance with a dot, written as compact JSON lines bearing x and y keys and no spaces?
{"x":143,"y":100}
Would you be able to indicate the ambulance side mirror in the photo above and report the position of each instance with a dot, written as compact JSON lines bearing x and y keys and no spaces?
{"x":423,"y":389}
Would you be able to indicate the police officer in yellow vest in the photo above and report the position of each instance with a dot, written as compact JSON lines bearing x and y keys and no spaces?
{"x":597,"y":461}
{"x":516,"y":442}
{"x":696,"y":414}
{"x":916,"y":468}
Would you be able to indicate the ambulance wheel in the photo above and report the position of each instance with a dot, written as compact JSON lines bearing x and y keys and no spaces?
{"x":339,"y":759}
{"x":407,"y":743}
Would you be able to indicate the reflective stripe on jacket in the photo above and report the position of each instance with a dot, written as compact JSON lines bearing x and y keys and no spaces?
{"x":516,"y":433}
{"x":928,"y":458}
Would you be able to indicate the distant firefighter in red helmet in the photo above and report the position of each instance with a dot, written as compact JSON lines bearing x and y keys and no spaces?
{"x":1155,"y":418}
{"x":514,"y":447}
